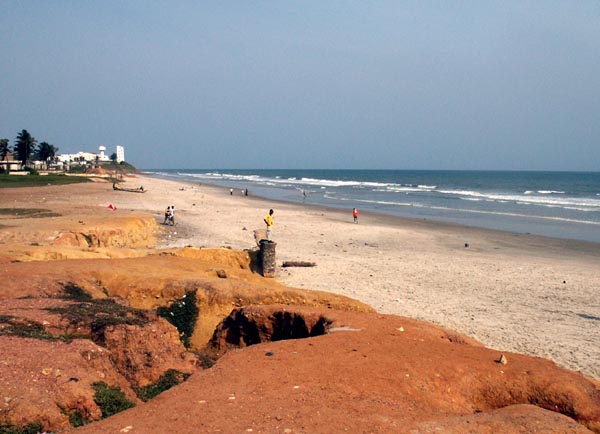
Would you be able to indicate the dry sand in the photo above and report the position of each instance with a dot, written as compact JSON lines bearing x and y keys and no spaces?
{"x":533,"y":295}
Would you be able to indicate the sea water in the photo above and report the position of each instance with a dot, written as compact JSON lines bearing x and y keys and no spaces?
{"x":556,"y":204}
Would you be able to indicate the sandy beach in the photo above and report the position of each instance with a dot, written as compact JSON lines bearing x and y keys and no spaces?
{"x":512,"y":292}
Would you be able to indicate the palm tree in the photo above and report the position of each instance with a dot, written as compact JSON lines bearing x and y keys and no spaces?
{"x":24,"y":147}
{"x":44,"y":152}
{"x":4,"y":149}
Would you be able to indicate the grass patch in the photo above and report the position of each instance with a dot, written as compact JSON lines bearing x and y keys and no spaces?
{"x":76,"y":416}
{"x":12,"y":326}
{"x":120,"y":168}
{"x":11,"y":181}
{"x":183,"y":314}
{"x":110,"y":399}
{"x":30,"y":428}
{"x":74,"y":292}
{"x":28,"y":213}
{"x":97,"y":314}
{"x":169,"y":379}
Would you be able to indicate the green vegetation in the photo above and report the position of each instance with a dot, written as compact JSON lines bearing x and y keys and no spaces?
{"x":169,"y":379}
{"x":12,"y":326}
{"x":122,"y":167}
{"x":24,"y":147}
{"x":76,"y":293}
{"x":45,"y":151}
{"x":110,"y":399}
{"x":39,"y":181}
{"x":93,"y":314}
{"x":4,"y":149}
{"x":183,"y":314}
{"x":30,"y":428}
{"x":77,"y":168}
{"x":96,"y":313}
{"x":76,"y":416}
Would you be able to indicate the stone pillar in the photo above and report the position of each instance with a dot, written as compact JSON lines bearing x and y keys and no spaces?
{"x":267,"y":256}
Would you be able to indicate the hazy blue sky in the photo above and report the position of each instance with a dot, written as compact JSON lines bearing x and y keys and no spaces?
{"x":308,"y":84}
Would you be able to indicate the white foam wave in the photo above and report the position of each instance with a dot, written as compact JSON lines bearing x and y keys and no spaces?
{"x":410,"y":188}
{"x":545,"y":200}
{"x":470,"y":211}
{"x":277,"y":180}
{"x":544,"y":192}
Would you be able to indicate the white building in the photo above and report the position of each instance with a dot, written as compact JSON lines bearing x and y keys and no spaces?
{"x":120,"y":154}
{"x":102,"y":156}
{"x":83,"y":158}
{"x":78,"y":158}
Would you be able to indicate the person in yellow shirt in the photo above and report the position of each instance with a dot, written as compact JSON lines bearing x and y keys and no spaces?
{"x":269,"y":222}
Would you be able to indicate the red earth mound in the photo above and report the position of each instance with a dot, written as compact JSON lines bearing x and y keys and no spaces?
{"x":361,"y":372}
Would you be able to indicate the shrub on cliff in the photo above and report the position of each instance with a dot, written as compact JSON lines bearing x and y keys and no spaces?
{"x":183,"y":314}
{"x":97,"y":313}
{"x":110,"y":399}
{"x":30,"y":428}
{"x":169,"y":379}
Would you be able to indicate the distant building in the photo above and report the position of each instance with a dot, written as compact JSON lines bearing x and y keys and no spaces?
{"x":10,"y":164}
{"x":120,"y":154}
{"x":102,"y":156}
{"x":80,"y":158}
{"x":85,"y":158}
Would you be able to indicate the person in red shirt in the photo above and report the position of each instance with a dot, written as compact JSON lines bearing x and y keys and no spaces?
{"x":355,"y":215}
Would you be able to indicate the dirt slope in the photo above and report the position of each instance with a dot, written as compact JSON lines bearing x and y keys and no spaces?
{"x":369,"y":373}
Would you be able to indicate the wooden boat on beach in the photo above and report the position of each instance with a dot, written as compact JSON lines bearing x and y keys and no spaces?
{"x":130,"y":190}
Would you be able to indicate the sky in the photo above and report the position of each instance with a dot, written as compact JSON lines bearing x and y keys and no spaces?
{"x":465,"y":85}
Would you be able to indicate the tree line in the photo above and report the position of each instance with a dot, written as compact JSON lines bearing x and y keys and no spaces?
{"x":26,"y":147}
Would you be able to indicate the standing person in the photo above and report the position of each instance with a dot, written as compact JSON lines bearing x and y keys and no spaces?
{"x":355,"y":215}
{"x":167,"y":215}
{"x":269,"y":222}
{"x":231,"y":192}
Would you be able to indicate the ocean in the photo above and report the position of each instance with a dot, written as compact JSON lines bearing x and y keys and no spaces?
{"x":557,"y":204}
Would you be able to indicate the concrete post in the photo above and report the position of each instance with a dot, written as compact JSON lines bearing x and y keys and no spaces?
{"x":267,"y":256}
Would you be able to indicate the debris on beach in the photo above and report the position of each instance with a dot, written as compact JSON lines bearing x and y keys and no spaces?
{"x":298,"y":264}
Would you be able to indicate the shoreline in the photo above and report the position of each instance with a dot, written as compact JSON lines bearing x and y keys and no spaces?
{"x":509,"y":217}
{"x":579,"y":246}
{"x":522,"y":293}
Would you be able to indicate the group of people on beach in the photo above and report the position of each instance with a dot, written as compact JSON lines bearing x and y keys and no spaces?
{"x":170,"y":219}
{"x":244,"y":192}
{"x":170,"y":215}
